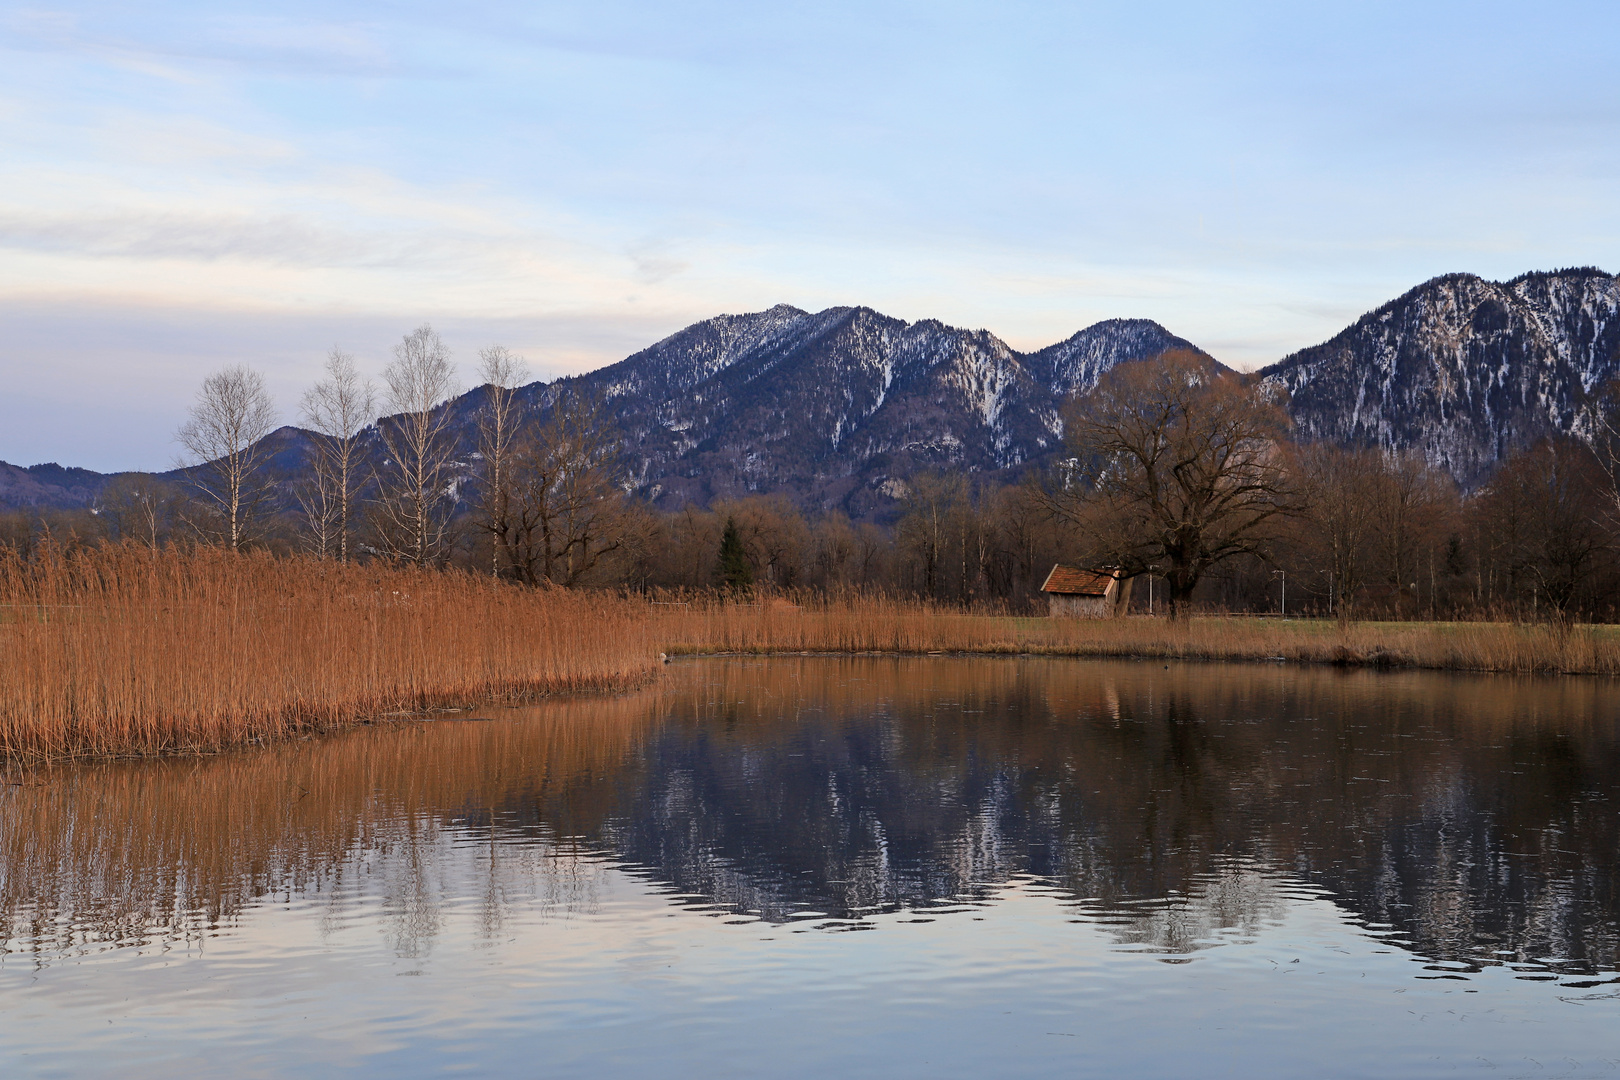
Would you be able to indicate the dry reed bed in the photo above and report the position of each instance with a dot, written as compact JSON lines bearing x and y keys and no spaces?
{"x":869,"y":624}
{"x":120,"y":650}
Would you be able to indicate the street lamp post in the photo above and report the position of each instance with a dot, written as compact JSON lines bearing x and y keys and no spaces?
{"x":1284,"y":574}
{"x":1151,"y":568}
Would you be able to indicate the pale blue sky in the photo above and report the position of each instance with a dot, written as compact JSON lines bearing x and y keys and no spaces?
{"x":186,"y":185}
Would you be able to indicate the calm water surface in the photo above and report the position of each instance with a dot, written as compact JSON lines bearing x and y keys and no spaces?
{"x":853,"y":867}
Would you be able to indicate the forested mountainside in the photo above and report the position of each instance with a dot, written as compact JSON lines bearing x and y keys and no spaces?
{"x":49,"y":485}
{"x":58,"y":487}
{"x":1463,"y":370}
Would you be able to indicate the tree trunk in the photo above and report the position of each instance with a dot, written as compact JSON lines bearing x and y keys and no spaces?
{"x":1181,"y":587}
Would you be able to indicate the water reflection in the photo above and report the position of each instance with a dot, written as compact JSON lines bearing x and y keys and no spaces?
{"x":1470,"y":820}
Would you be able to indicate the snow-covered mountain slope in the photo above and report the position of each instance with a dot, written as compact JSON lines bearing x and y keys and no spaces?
{"x":828,"y":407}
{"x":1075,"y":365}
{"x":1462,"y":369}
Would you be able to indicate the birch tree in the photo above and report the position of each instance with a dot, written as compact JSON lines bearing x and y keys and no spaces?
{"x":934,"y":504}
{"x":138,"y":506}
{"x":502,"y":373}
{"x":336,"y":410}
{"x":415,"y":494}
{"x":225,"y":454}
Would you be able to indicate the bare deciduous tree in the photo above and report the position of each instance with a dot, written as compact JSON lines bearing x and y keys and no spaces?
{"x":1408,"y":498}
{"x":337,"y":409}
{"x":872,"y":550}
{"x":833,"y":548}
{"x":564,"y":508}
{"x":934,"y":504}
{"x":1340,"y":530}
{"x":415,"y":496}
{"x":774,"y":537}
{"x":1178,"y":465}
{"x":498,"y":421}
{"x":225,"y":453}
{"x":1604,"y":419}
{"x":138,"y":506}
{"x":684,"y":551}
{"x":1543,"y":515}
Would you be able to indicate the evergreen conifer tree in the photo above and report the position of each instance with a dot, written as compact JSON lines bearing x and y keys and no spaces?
{"x":735,"y":574}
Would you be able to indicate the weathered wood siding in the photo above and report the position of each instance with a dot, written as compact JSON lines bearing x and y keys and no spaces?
{"x":1062,"y":606}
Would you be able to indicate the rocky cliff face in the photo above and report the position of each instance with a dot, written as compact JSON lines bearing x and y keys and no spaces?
{"x":1463,"y":370}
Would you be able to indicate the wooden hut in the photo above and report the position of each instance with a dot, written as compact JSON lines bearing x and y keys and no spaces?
{"x":1076,"y":593}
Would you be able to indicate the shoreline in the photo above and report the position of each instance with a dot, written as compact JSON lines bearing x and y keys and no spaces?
{"x":889,"y":628}
{"x":1390,"y":665}
{"x":306,"y":728}
{"x":118,"y":652}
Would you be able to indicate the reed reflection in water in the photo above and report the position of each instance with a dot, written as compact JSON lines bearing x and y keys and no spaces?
{"x":1469,"y":823}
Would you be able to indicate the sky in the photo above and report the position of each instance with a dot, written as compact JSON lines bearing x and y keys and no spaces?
{"x":185,"y":186}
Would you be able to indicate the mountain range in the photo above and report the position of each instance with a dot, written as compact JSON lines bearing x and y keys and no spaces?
{"x":836,"y":408}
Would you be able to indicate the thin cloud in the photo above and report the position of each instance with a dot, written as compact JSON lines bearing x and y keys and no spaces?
{"x":265,"y":43}
{"x":277,"y":241}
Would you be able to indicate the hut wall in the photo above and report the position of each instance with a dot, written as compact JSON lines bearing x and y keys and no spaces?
{"x":1064,"y":606}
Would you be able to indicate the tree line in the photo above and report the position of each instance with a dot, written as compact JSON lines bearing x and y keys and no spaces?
{"x":1181,"y":474}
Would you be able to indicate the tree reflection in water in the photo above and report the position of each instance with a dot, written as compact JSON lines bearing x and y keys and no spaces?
{"x":1474,"y":818}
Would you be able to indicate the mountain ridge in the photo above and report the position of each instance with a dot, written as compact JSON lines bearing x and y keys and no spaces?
{"x":830,"y":408}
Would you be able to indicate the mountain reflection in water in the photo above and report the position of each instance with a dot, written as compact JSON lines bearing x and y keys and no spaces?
{"x":1472,"y":820}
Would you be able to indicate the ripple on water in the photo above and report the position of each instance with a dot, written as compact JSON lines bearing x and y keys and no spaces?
{"x":989,"y":866}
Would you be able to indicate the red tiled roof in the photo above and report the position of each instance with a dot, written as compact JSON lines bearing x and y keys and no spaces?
{"x":1073,"y":581}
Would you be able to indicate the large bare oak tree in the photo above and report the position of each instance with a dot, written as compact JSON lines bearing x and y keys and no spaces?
{"x":562,"y":508}
{"x":1177,"y":467}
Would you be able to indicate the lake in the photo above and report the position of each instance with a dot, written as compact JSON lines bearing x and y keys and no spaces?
{"x":863,"y":866}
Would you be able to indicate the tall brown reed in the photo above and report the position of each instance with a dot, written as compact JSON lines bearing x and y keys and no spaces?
{"x":882,"y":624}
{"x":119,"y":650}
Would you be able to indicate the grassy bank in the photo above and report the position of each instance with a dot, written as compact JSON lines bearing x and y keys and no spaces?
{"x":883,"y":625}
{"x":118,"y":650}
